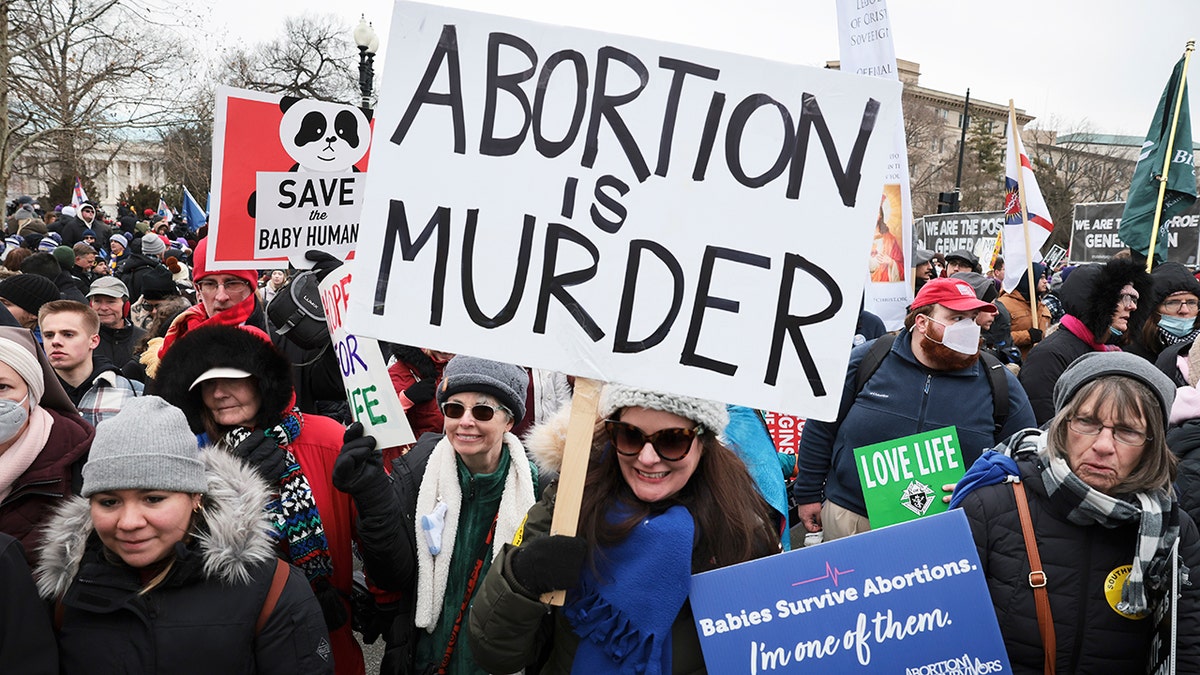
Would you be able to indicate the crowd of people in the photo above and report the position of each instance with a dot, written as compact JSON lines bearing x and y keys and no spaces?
{"x":183,"y":488}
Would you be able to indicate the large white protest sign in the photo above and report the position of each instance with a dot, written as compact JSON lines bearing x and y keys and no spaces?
{"x":620,"y":209}
{"x":369,"y":390}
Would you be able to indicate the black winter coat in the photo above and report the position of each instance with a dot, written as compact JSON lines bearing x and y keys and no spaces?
{"x":1046,"y":361}
{"x":202,"y":617}
{"x":1091,"y":637}
{"x":26,"y":637}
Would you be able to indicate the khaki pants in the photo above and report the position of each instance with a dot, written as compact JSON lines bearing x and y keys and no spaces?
{"x":839,"y":522}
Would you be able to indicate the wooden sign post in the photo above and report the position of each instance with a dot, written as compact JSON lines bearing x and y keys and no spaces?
{"x":580,"y":427}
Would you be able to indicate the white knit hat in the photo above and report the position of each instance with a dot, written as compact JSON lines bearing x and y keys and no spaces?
{"x":711,"y":415}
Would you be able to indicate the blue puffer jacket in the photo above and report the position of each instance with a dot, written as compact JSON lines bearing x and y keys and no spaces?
{"x":902,"y":398}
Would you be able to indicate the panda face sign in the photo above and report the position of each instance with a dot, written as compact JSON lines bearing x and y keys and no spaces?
{"x":323,"y":136}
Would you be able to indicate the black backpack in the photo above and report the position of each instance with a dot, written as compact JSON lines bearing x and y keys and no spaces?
{"x":879,"y":350}
{"x":297,"y":313}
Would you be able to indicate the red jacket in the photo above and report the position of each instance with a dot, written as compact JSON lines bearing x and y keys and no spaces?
{"x":422,"y":417}
{"x":55,"y":474}
{"x":316,"y":449}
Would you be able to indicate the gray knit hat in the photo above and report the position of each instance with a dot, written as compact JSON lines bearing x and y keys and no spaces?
{"x":146,"y":446}
{"x":152,"y":244}
{"x":508,"y":383}
{"x":1098,"y":364}
{"x":711,"y":415}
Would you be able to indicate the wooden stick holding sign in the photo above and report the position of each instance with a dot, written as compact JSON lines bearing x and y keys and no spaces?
{"x":580,"y":428}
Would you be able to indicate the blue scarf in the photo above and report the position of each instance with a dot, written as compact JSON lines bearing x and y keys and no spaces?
{"x":622,"y":628}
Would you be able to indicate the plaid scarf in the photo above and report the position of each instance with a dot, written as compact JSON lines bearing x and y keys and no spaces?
{"x":293,"y":509}
{"x":1156,"y":515}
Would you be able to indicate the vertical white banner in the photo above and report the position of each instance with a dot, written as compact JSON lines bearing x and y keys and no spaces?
{"x":865,"y":36}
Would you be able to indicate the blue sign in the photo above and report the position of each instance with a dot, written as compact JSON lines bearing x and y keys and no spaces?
{"x":910,"y":598}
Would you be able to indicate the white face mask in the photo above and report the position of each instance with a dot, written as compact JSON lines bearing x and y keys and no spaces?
{"x":962,"y":337}
{"x":13,"y":416}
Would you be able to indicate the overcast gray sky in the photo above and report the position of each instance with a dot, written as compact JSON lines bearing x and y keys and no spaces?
{"x":1100,"y":62}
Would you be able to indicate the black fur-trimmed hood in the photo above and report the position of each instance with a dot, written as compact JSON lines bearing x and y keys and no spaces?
{"x":1090,"y":294}
{"x":209,"y":347}
{"x":234,"y":540}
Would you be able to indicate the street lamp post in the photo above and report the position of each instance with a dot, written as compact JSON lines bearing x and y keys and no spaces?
{"x":368,"y":45}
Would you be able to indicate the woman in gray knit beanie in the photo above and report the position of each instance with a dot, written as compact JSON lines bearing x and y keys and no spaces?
{"x":163,"y":563}
{"x":1106,"y":519}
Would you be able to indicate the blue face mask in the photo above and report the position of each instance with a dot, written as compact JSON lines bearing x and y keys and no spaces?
{"x":1178,"y":326}
{"x":1115,"y":331}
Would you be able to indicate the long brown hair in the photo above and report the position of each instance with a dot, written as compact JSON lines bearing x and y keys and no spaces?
{"x":733,"y":521}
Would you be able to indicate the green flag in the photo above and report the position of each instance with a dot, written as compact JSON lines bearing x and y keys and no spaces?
{"x":1138,"y":219}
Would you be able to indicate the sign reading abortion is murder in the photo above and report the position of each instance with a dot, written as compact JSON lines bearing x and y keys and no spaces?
{"x":620,"y":209}
{"x":287,"y":177}
{"x":904,"y":599}
{"x":902,"y":479}
{"x":373,"y":400}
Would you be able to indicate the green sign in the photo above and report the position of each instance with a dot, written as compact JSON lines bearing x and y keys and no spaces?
{"x":902,"y":479}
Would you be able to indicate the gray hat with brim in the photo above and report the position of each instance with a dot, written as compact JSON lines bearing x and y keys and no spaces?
{"x":922,"y":256}
{"x":110,"y":286}
{"x":1098,"y":364}
{"x":963,"y":254}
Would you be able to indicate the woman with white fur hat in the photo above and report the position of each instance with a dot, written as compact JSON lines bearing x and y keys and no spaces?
{"x":664,"y":498}
{"x":165,"y":563}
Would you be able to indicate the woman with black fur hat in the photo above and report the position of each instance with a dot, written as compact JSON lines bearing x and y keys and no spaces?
{"x":1102,"y":303}
{"x":236,"y":390}
{"x":1176,"y":296}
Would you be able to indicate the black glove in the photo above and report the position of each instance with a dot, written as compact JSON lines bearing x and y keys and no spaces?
{"x":324,"y":263}
{"x":421,"y":391}
{"x":550,"y":563}
{"x":264,"y":455}
{"x":1035,"y":336}
{"x":333,"y":604}
{"x":358,"y":470}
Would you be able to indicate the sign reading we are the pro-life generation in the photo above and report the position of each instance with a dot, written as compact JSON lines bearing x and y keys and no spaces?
{"x":902,"y":479}
{"x":904,"y":599}
{"x":620,"y":209}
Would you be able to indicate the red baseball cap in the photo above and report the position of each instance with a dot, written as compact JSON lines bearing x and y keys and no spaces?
{"x":954,"y":294}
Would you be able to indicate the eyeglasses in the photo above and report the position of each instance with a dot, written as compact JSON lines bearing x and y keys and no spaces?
{"x":1128,"y":299}
{"x":482,"y":412}
{"x":670,"y":444}
{"x":1090,"y":426}
{"x":1174,"y":305}
{"x":231,"y":285}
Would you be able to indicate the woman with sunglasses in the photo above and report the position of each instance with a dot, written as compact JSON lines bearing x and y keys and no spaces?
{"x":1105,"y":519}
{"x":664,"y":498}
{"x":431,"y":531}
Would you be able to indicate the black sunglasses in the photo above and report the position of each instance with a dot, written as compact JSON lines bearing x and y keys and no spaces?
{"x":482,"y":412}
{"x":670,"y":444}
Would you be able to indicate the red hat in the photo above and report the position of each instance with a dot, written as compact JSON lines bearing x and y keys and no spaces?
{"x":200,"y":267}
{"x":148,"y":212}
{"x":954,"y":294}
